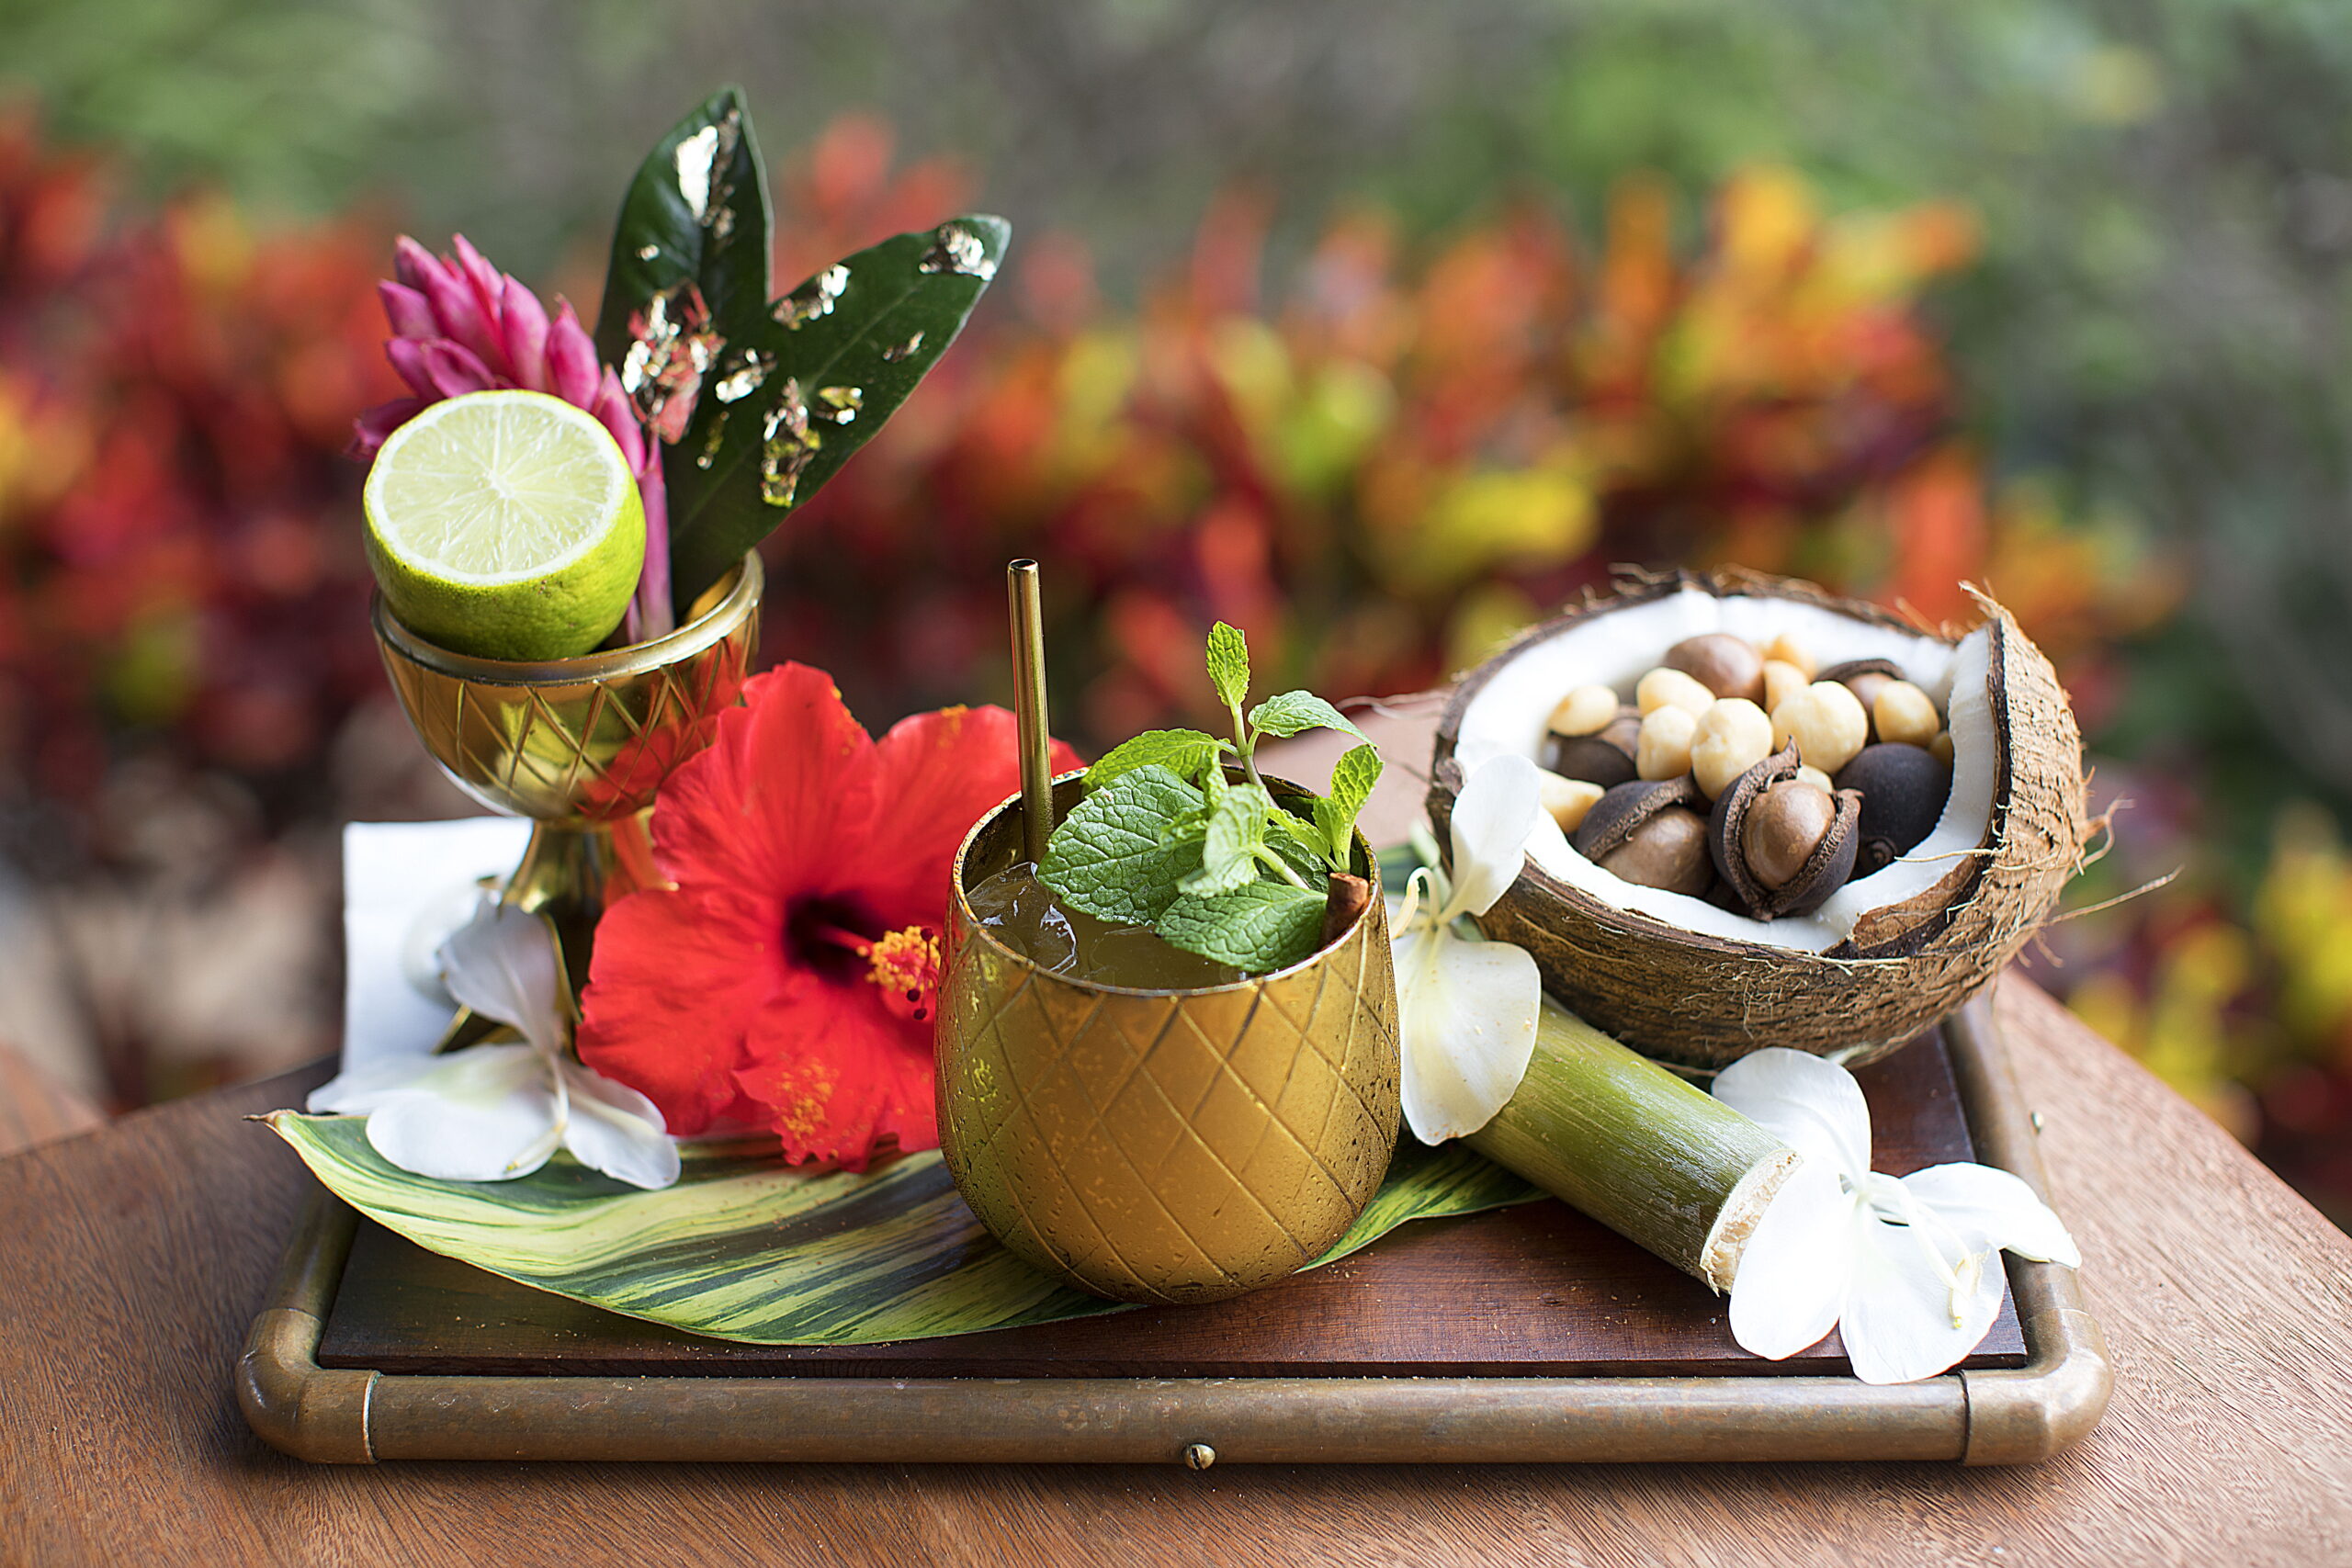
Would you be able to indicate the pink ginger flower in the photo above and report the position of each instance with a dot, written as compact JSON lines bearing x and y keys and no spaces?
{"x":460,"y":325}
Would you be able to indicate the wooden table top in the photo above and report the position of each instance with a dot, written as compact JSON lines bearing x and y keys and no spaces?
{"x":132,"y":1258}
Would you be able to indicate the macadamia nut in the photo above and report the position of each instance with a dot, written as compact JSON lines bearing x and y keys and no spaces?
{"x":1664,"y":750}
{"x":1732,"y":737}
{"x":1903,"y":713}
{"x":1668,"y":851}
{"x":1787,"y":651}
{"x":1866,"y":685}
{"x":1828,"y":723}
{"x":1726,"y":665}
{"x":1781,"y":681}
{"x":1940,"y":748}
{"x":1784,"y":828}
{"x":1671,"y":688}
{"x":1567,"y":800}
{"x":1585,"y":711}
{"x":1817,"y":778}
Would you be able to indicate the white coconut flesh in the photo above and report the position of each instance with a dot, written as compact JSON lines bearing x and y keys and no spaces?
{"x":1617,"y":648}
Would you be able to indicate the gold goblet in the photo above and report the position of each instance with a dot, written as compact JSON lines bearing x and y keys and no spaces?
{"x":1163,"y":1146}
{"x":578,"y":745}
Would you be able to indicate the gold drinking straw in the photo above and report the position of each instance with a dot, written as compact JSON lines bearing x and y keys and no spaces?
{"x":1029,"y":708}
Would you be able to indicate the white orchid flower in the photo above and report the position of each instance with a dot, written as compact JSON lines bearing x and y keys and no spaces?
{"x":1908,"y":1270}
{"x":490,"y":1112}
{"x":1467,"y":1008}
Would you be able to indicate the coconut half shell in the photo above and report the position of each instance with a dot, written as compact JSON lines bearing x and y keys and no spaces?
{"x":1688,"y":981}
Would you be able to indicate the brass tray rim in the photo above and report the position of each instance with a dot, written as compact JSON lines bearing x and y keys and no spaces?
{"x":2019,"y":1416}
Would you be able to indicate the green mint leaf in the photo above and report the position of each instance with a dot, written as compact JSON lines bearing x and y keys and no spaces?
{"x":1187,"y":753}
{"x":1336,"y":813}
{"x":1293,"y":712}
{"x":1236,"y":831}
{"x":1228,"y":664}
{"x":1301,"y":845}
{"x":1259,"y":926}
{"x":1190,"y":830}
{"x":1121,"y":854}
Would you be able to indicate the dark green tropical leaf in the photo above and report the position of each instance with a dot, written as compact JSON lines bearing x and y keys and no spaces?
{"x":758,"y":400}
{"x":796,"y":388}
{"x":745,"y":1248}
{"x":696,"y":214}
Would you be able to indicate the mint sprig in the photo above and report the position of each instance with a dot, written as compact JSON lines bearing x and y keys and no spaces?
{"x":1214,"y":865}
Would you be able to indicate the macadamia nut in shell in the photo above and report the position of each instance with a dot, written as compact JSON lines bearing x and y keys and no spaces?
{"x":1726,"y":665}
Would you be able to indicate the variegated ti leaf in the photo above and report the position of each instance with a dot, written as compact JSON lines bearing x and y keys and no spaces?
{"x":745,"y":1248}
{"x":758,"y":400}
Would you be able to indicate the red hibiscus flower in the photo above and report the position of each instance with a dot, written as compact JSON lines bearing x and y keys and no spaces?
{"x":788,"y":981}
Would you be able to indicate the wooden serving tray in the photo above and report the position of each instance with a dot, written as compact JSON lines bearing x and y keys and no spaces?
{"x":1526,"y":1333}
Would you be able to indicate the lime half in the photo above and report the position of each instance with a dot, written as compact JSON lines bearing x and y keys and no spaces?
{"x":505,"y":525}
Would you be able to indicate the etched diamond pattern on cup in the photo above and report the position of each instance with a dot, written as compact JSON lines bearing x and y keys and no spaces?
{"x":591,"y":750}
{"x":1113,"y":1137}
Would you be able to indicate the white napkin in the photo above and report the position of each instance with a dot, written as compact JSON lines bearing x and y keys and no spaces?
{"x":406,"y":885}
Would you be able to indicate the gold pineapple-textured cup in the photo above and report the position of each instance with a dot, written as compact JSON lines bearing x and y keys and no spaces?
{"x":578,"y":745}
{"x":1163,"y":1146}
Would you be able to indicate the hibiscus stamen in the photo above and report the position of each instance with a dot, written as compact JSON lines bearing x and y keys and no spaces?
{"x":905,"y":964}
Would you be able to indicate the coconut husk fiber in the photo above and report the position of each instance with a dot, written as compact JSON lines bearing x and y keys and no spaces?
{"x":1703,"y":1000}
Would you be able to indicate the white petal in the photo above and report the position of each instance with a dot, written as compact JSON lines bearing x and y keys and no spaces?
{"x":437,"y":919}
{"x":1468,"y":1013}
{"x":1994,"y":1209}
{"x":1900,"y":1323}
{"x":503,"y":964}
{"x":617,"y":1131}
{"x":485,"y":1114}
{"x":1493,"y":815}
{"x":1792,"y":1272}
{"x":1812,"y":1104}
{"x":356,"y":1091}
{"x":1545,"y":840}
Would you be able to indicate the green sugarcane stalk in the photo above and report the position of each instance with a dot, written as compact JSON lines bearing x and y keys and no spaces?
{"x":1660,"y":1162}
